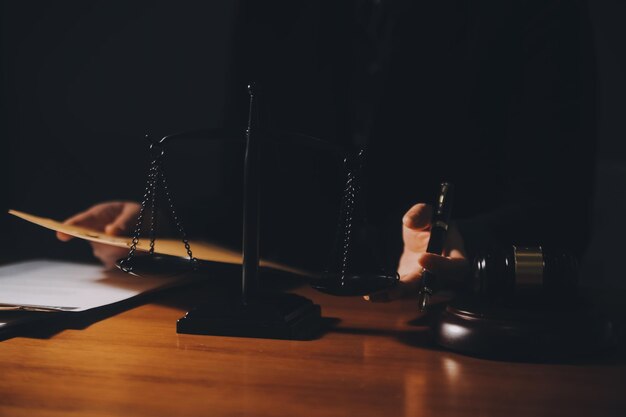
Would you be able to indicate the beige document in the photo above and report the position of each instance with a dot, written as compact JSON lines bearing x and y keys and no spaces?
{"x":202,"y":250}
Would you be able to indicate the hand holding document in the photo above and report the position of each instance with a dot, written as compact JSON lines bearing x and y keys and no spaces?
{"x":201,"y":250}
{"x":31,"y":289}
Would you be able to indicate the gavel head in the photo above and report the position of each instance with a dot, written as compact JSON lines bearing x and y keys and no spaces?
{"x":500,"y":275}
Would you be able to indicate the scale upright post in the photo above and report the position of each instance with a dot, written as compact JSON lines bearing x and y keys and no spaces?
{"x":255,"y":313}
{"x":251,"y":197}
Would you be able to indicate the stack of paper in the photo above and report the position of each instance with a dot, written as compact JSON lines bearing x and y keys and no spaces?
{"x":52,"y":286}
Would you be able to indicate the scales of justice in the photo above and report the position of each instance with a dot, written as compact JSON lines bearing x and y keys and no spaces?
{"x":255,"y":311}
{"x":499,"y":317}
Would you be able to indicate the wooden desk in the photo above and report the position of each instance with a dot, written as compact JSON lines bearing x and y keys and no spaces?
{"x":372,"y":364}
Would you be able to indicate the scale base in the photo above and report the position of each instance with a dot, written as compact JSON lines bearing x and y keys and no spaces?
{"x":266,"y":316}
{"x":536,"y":332}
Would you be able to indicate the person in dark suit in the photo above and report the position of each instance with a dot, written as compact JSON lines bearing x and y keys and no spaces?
{"x":496,"y":97}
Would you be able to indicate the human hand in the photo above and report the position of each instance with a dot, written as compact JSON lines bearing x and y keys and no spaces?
{"x":114,"y":218}
{"x":451,"y":266}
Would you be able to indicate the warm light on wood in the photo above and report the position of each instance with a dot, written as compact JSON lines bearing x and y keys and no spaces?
{"x":373,"y":364}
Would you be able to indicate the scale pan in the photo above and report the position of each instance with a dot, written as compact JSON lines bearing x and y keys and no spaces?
{"x":354,"y":285}
{"x":161,"y":265}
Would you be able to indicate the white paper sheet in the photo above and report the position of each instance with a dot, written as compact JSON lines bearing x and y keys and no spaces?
{"x":45,"y":285}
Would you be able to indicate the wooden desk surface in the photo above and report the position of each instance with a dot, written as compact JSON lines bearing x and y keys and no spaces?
{"x":372,"y":364}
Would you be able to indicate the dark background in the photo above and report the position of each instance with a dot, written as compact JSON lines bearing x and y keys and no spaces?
{"x":82,"y":82}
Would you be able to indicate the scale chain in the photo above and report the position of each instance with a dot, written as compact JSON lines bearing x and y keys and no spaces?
{"x":155,"y":176}
{"x":153,"y":203}
{"x":175,"y":218}
{"x":150,"y":184}
{"x":351,"y":191}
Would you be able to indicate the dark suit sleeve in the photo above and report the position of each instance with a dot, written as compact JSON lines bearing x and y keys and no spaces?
{"x":548,"y":154}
